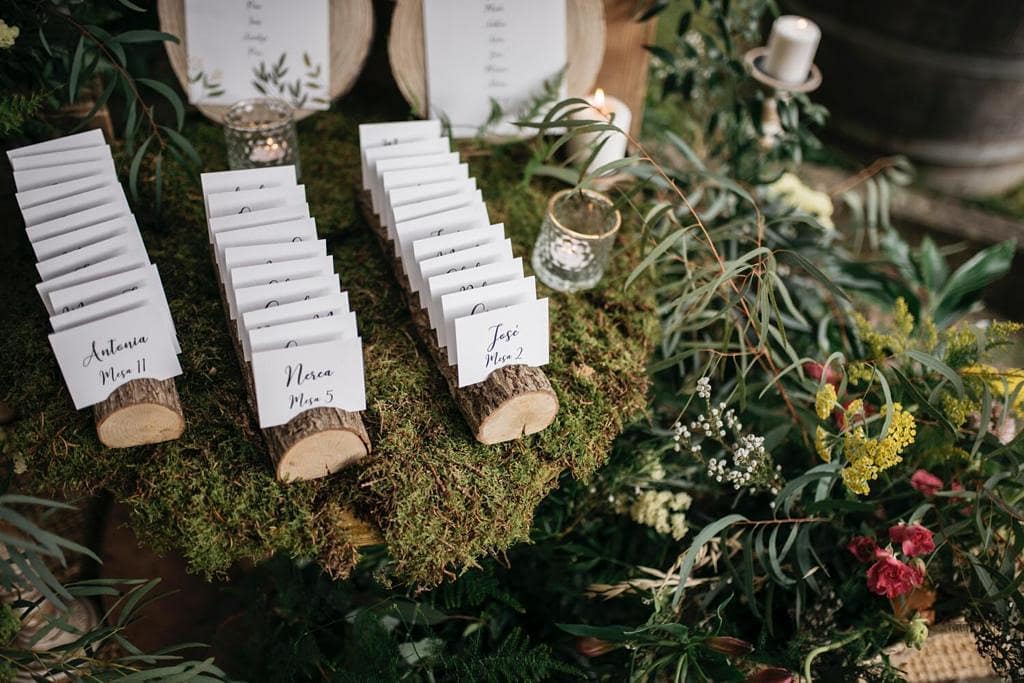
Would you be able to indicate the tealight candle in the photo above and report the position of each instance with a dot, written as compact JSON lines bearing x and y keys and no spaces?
{"x":261,"y":132}
{"x":616,"y":112}
{"x":791,"y":48}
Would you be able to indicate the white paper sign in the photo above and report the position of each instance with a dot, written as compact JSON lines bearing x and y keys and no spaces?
{"x":111,"y":266}
{"x":98,"y":357}
{"x":244,"y":201}
{"x":244,"y":48}
{"x":41,"y":177}
{"x":291,"y":381}
{"x":442,"y":245}
{"x":303,"y":332}
{"x":89,"y":138}
{"x":462,"y":280}
{"x":502,"y":51}
{"x":298,"y":311}
{"x":252,"y":219}
{"x":272,"y":273}
{"x":301,"y":230}
{"x":376,"y":183}
{"x":126,"y":242}
{"x":43,"y":195}
{"x":240,"y":257}
{"x":401,"y":198}
{"x":461,"y":216}
{"x":68,"y":156}
{"x":79,"y":219}
{"x":476,"y":301}
{"x":517,"y":335}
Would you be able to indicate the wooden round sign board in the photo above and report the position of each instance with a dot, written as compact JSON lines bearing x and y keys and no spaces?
{"x":585,"y":48}
{"x":351,"y":32}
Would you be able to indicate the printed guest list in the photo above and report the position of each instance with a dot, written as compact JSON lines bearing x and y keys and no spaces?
{"x":491,"y":52}
{"x":248,"y":48}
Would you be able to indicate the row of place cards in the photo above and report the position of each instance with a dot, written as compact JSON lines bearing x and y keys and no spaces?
{"x":109,"y":315}
{"x":483,"y":310}
{"x":293,"y":322}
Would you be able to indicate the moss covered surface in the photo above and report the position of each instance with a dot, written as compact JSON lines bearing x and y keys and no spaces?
{"x":441,"y":499}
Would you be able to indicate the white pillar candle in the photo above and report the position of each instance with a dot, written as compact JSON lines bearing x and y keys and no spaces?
{"x":615,"y":111}
{"x":791,"y":48}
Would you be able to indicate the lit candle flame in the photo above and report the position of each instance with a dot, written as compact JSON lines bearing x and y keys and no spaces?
{"x":599,"y":102}
{"x":801,"y":23}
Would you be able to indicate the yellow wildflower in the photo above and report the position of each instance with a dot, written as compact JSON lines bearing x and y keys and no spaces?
{"x":961,"y":346}
{"x":792,"y":191}
{"x":823,"y":449}
{"x":857,"y":373}
{"x":825,"y":400}
{"x":1002,"y":383}
{"x":867,"y":457}
{"x":880,"y":344}
{"x":956,"y":409}
{"x":8,"y":34}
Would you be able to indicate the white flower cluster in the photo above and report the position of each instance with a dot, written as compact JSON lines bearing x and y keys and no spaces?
{"x":744,"y":462}
{"x":664,"y":511}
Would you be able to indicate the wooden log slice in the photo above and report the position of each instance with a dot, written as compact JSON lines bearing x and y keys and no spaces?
{"x":314,"y":443}
{"x":350,"y":35}
{"x":143,"y":411}
{"x":585,"y":49}
{"x":512,"y":402}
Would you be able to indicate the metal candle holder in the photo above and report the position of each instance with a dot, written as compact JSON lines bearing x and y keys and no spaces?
{"x":777,"y":90}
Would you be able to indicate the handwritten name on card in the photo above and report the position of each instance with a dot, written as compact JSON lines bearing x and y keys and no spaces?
{"x":293,"y":380}
{"x":516,"y":335}
{"x":99,"y":356}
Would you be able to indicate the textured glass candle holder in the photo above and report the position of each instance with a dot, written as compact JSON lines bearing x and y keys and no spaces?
{"x":260,"y":132}
{"x":575,"y":240}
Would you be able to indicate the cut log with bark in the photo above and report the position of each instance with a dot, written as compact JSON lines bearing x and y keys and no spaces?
{"x":141,"y":412}
{"x":314,"y":443}
{"x":512,"y":402}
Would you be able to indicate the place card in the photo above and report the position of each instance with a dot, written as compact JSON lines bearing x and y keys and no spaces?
{"x":239,"y":257}
{"x":248,"y":179}
{"x":105,"y":268}
{"x":272,"y":273}
{"x":475,"y":301}
{"x":244,"y":201}
{"x":99,"y":356}
{"x":303,"y":333}
{"x":374,"y":155}
{"x":464,"y":259}
{"x":252,"y":219}
{"x":107,"y":307}
{"x":466,"y":211}
{"x":390,"y":134}
{"x":301,"y":230}
{"x":415,"y":177}
{"x":50,"y":193}
{"x":81,"y":237}
{"x":109,"y":194}
{"x":126,"y":242}
{"x":42,"y":177}
{"x":462,"y":280}
{"x":79,"y":219}
{"x":307,"y":309}
{"x":442,"y":245}
{"x":384,"y":166}
{"x":481,"y":53}
{"x":401,"y":198}
{"x":239,"y":49}
{"x":89,"y":138}
{"x":70,"y":156}
{"x":293,"y":380}
{"x":516,"y":335}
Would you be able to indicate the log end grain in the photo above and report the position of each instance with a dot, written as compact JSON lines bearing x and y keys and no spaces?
{"x":141,"y":412}
{"x":319,"y":454}
{"x":518,"y":416}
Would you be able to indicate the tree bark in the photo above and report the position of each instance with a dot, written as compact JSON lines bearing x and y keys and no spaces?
{"x":513,"y":401}
{"x":143,"y":411}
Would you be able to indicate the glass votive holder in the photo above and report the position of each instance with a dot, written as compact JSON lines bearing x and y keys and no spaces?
{"x":261,"y":132}
{"x":575,"y":240}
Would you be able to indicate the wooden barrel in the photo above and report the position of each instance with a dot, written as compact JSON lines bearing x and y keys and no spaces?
{"x":941,"y":81}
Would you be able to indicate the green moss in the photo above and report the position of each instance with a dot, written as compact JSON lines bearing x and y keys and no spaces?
{"x":441,"y":499}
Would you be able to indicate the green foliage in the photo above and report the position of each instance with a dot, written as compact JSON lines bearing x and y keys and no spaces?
{"x":16,"y":109}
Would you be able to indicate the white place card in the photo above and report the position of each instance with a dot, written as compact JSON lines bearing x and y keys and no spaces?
{"x":252,"y":219}
{"x":248,"y":179}
{"x":415,"y":177}
{"x":69,"y":156}
{"x":303,"y":333}
{"x":109,"y":194}
{"x":298,"y":311}
{"x":265,"y":296}
{"x":41,"y":177}
{"x":374,"y":155}
{"x":51,"y":193}
{"x":376,"y":185}
{"x":98,"y":357}
{"x":240,"y":257}
{"x":466,"y":212}
{"x":464,"y":259}
{"x":244,"y":201}
{"x":89,"y":138}
{"x":483,"y":52}
{"x":79,"y":219}
{"x":111,"y":266}
{"x":126,"y":242}
{"x":87,"y":293}
{"x":442,"y":245}
{"x":81,"y":237}
{"x":244,"y":48}
{"x":101,"y":309}
{"x":475,"y":301}
{"x":293,"y":380}
{"x":420,"y":194}
{"x":463,"y":280}
{"x":272,"y":273}
{"x":516,"y":335}
{"x":391,"y":134}
{"x":301,"y":230}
